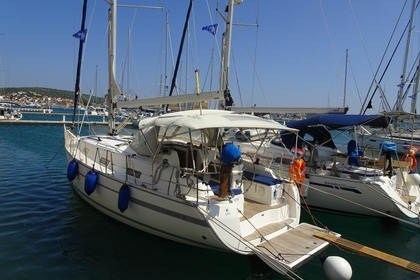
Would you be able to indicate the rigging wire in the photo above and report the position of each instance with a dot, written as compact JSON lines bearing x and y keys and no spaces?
{"x":289,"y":273}
{"x":257,"y":11}
{"x":127,"y":58}
{"x":331,"y":42}
{"x":253,"y":59}
{"x":386,"y":105}
{"x":212,"y":23}
{"x":383,"y":57}
{"x":254,"y":70}
{"x":237,"y":80}
{"x":194,"y":53}
{"x":316,"y":221}
{"x":355,"y":83}
{"x":215,"y":46}
{"x":413,"y":72}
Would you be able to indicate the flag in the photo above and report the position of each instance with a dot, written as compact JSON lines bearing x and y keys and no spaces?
{"x":401,"y":85}
{"x":413,"y":96}
{"x":81,"y":35}
{"x":210,"y":28}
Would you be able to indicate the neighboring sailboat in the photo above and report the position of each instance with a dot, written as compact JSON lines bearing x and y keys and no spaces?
{"x":349,"y":182}
{"x":178,"y":178}
{"x":97,"y":111}
{"x":342,"y":182}
{"x":402,"y":131}
{"x":8,"y":112}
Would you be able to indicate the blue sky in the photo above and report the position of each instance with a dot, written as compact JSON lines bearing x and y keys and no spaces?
{"x":294,"y":58}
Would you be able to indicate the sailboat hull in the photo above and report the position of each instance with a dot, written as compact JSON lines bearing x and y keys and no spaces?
{"x":404,"y":141}
{"x":149,"y":211}
{"x":362,"y":197}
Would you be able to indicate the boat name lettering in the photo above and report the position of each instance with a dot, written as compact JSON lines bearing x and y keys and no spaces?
{"x":338,"y":185}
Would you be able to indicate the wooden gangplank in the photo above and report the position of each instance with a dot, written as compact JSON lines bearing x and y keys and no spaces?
{"x":359,"y":248}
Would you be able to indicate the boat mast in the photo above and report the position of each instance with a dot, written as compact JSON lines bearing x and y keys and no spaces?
{"x":399,"y":102}
{"x":345,"y":79}
{"x":166,"y":54}
{"x":128,"y":62}
{"x":96,"y":85}
{"x":113,"y":90}
{"x":82,"y":37}
{"x":415,"y":91}
{"x":224,"y":79}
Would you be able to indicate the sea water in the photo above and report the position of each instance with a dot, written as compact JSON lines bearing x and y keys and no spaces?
{"x":48,"y":232}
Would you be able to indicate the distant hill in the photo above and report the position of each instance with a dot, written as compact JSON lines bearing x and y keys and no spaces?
{"x":36,"y":91}
{"x":39,"y":91}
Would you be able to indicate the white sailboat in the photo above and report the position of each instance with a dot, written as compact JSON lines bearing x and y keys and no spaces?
{"x":8,"y":112}
{"x":403,"y":131}
{"x":97,"y":111}
{"x":178,"y":178}
{"x":341,"y":181}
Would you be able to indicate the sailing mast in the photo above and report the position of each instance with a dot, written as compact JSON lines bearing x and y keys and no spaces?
{"x":166,"y":54}
{"x":128,"y":62}
{"x":345,"y":79}
{"x":113,"y":89}
{"x":81,"y":35}
{"x":227,"y":39}
{"x":415,"y":91}
{"x":399,"y":103}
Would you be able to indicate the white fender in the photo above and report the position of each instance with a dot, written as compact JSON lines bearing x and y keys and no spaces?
{"x":337,"y":268}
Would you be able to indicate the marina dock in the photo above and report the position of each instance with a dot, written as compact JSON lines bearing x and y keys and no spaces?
{"x":53,"y":119}
{"x":48,"y":122}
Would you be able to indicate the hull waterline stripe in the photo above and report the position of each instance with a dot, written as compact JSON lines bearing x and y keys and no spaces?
{"x":199,"y":244}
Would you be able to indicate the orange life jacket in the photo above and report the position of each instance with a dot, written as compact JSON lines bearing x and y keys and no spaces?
{"x":297,"y":170}
{"x":413,"y":165}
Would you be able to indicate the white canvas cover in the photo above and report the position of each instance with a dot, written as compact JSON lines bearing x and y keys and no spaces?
{"x":201,"y":119}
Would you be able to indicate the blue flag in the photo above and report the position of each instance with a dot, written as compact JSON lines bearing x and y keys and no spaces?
{"x":211,"y":28}
{"x":81,"y":35}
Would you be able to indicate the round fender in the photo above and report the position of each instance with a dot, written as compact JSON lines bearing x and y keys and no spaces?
{"x":72,"y":170}
{"x":123,"y":198}
{"x":90,"y":182}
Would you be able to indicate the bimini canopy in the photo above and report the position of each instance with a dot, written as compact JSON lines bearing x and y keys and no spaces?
{"x":202,"y":119}
{"x":318,"y":127}
{"x":339,"y":121}
{"x":319,"y":134}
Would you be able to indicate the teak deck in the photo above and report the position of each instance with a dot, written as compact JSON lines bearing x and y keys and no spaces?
{"x":294,"y":244}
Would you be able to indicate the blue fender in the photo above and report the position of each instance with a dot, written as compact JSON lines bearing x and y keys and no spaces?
{"x":90,"y":182}
{"x":123,"y":198}
{"x":72,"y":170}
